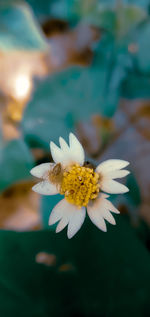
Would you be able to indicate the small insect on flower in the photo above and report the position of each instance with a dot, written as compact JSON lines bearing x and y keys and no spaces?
{"x":81,"y":184}
{"x":56,"y":174}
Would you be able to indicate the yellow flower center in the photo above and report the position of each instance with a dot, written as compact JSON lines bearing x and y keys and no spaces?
{"x":79,"y":185}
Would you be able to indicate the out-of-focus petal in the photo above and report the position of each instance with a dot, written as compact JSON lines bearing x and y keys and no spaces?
{"x":76,"y":222}
{"x":68,"y":214}
{"x":76,"y":150}
{"x":57,"y":153}
{"x":67,"y":155}
{"x":42,"y":170}
{"x":112,"y":187}
{"x":117,"y":174}
{"x":100,"y":210}
{"x":63,"y":144}
{"x":108,"y":216}
{"x":45,"y":188}
{"x":111,"y":165}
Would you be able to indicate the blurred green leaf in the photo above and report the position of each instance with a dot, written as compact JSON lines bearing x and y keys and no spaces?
{"x":102,"y":17}
{"x":136,"y":85}
{"x":133,"y":196}
{"x":18,"y":28}
{"x":118,"y":21}
{"x":96,"y":273}
{"x":131,"y":200}
{"x":141,"y":40}
{"x":41,"y":8}
{"x":116,"y":18}
{"x":75,"y":10}
{"x":72,"y":95}
{"x":72,"y":10}
{"x":128,"y":17}
{"x":143,"y":4}
{"x":15,"y":163}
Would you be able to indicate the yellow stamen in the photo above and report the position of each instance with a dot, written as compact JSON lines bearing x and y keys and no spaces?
{"x":79,"y":185}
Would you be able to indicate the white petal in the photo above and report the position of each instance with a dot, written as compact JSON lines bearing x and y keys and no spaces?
{"x":112,"y":187}
{"x":41,"y":171}
{"x":67,"y":155}
{"x":63,"y":144}
{"x":100,"y":210}
{"x":62,"y":224}
{"x":108,"y":216}
{"x":66,"y":152}
{"x":56,"y":152}
{"x":104,"y":195}
{"x":76,"y":222}
{"x":117,"y":174}
{"x":45,"y":188}
{"x":76,"y":150}
{"x":97,"y":219}
{"x":67,"y":214}
{"x":61,"y":155}
{"x":111,"y":165}
{"x":59,"y":211}
{"x":111,"y":207}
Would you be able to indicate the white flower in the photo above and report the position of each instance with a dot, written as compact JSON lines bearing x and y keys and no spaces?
{"x":81,"y":184}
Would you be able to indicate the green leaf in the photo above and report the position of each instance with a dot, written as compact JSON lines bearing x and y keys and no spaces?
{"x":72,"y":10}
{"x":116,"y":18}
{"x":72,"y":95}
{"x":141,"y":40}
{"x":104,"y":18}
{"x":143,"y":4}
{"x":133,"y":195}
{"x":15,"y":163}
{"x":41,"y":8}
{"x":118,"y":21}
{"x":130,"y":200}
{"x":128,"y":17}
{"x":18,"y":28}
{"x":108,"y":274}
{"x":136,"y":85}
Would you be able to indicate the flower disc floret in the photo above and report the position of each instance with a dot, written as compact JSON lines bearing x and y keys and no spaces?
{"x":79,"y":185}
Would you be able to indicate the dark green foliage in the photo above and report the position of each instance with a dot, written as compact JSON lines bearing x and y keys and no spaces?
{"x":133,"y":196}
{"x":109,"y":273}
{"x":136,"y":85}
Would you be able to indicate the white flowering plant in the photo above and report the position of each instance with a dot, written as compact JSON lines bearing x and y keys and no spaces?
{"x":82,"y":185}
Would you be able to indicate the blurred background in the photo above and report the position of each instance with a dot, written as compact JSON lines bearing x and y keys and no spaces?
{"x":80,"y":66}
